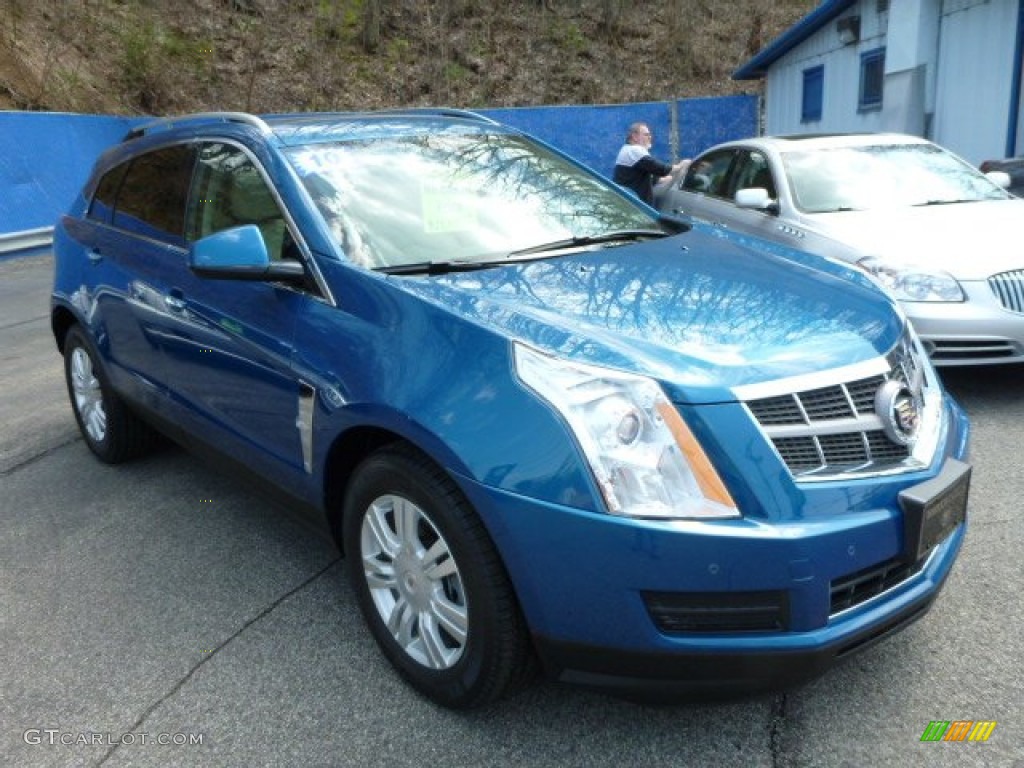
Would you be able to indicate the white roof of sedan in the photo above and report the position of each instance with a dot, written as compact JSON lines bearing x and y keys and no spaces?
{"x":826,"y":141}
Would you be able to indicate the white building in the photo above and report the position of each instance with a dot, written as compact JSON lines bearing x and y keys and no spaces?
{"x":948,"y":70}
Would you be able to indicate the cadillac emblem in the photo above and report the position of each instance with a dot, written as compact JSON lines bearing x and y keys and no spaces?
{"x":899,"y":410}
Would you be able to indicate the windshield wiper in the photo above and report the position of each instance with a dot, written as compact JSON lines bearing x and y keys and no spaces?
{"x":618,"y":235}
{"x":942,"y":202}
{"x":435,"y":267}
{"x":446,"y":267}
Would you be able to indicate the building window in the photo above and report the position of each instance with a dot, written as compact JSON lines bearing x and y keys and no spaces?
{"x":814,"y":91}
{"x":872,"y":73}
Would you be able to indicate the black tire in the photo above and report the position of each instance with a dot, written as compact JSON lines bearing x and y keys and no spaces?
{"x":459,"y":636}
{"x":109,"y":428}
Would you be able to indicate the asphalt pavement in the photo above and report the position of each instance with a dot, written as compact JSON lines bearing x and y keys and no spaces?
{"x":159,"y":613}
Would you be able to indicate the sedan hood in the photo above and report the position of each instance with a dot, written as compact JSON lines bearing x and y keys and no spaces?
{"x":971,"y":241}
{"x":700,"y":312}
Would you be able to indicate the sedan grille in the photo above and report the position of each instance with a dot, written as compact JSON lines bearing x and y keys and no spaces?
{"x":1009,"y":289}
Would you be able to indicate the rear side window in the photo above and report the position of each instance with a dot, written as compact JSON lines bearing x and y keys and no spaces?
{"x":102,"y":206}
{"x":151,"y":200}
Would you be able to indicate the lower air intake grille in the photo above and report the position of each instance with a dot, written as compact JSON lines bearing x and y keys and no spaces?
{"x":862,"y":586}
{"x":686,"y":612}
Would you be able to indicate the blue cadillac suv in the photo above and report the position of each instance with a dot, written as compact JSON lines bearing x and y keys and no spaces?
{"x":548,"y":428}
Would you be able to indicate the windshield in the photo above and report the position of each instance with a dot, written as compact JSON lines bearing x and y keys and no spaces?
{"x":883,"y":176}
{"x":452,"y":197}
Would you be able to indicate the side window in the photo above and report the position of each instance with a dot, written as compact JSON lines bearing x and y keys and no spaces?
{"x":709,"y":174}
{"x":102,"y":206}
{"x":754,"y":171}
{"x":230,"y":192}
{"x":151,"y":201}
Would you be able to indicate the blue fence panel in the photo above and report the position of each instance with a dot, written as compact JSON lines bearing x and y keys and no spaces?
{"x":47,"y":156}
{"x":46,"y":159}
{"x":709,"y":121}
{"x":592,"y":134}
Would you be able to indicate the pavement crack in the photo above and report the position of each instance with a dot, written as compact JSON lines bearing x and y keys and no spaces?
{"x":778,"y":719}
{"x":7,"y":471}
{"x":20,"y":323}
{"x":206,"y":658}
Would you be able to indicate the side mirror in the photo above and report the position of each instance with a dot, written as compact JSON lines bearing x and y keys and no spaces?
{"x":240,"y":253}
{"x":999,"y":178}
{"x":757,"y":199}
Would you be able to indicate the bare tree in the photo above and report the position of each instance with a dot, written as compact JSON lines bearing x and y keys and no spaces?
{"x":611,"y":15}
{"x":373,"y":12}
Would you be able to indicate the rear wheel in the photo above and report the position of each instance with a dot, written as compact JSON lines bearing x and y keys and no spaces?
{"x":430,"y":583}
{"x":110,"y":429}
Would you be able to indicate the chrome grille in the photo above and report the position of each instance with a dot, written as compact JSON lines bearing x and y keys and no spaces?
{"x":1009,"y":289}
{"x":826,"y":431}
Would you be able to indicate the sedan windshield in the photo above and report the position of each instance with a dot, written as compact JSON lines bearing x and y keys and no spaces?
{"x":458,"y":198}
{"x":883,"y":176}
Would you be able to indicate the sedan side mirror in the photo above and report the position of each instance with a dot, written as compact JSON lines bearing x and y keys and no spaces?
{"x":240,"y":253}
{"x":999,"y":178}
{"x":757,"y":199}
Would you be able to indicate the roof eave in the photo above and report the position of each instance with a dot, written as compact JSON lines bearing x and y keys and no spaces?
{"x":757,"y":67}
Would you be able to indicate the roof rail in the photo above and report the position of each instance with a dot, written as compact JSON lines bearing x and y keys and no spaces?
{"x":166,"y":123}
{"x":440,"y":112}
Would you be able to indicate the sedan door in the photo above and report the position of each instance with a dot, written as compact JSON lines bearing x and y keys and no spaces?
{"x":708,"y":192}
{"x":702,"y":191}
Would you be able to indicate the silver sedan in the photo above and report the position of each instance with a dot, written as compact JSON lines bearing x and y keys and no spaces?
{"x":941,"y":236}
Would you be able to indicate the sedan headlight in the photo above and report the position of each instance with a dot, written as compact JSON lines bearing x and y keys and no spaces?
{"x":909,"y":283}
{"x":646,"y":460}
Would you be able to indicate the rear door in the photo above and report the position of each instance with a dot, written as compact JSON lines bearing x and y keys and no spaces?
{"x":136,"y":247}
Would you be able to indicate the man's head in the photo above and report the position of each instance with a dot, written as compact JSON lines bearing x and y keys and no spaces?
{"x":640,"y":134}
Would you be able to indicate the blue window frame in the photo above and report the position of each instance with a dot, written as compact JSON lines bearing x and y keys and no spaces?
{"x":872,"y":74}
{"x":813,"y":96}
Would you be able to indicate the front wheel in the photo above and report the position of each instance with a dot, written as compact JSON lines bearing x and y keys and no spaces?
{"x":430,"y":583}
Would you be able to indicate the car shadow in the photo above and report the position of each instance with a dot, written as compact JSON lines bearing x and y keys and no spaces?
{"x":994,"y":384}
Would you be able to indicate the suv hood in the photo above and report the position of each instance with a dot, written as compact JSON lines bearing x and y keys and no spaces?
{"x":970,"y":241}
{"x":699,"y":312}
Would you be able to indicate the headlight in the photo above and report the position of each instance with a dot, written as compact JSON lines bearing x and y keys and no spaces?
{"x":646,"y":460}
{"x":908,"y":283}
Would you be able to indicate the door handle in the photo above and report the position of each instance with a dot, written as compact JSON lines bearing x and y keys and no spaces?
{"x":94,"y":256}
{"x":175,"y":303}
